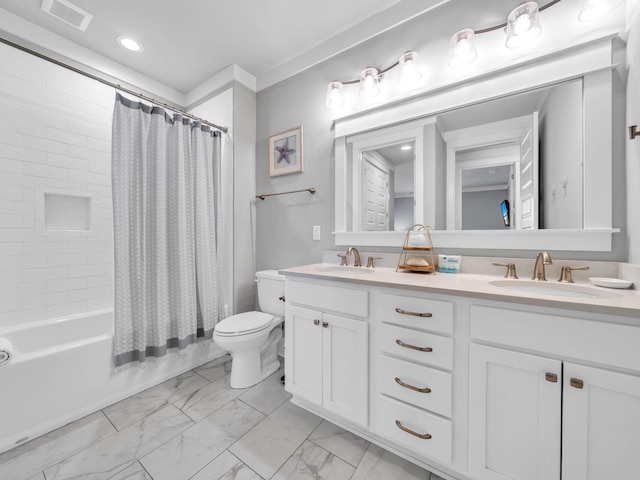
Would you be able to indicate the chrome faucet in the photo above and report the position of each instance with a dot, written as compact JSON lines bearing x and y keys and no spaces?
{"x":542,"y":259}
{"x":356,"y":256}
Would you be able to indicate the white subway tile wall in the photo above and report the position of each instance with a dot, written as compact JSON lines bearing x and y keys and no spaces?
{"x":55,"y":144}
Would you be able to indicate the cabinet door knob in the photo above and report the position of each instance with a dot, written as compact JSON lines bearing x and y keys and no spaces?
{"x":413,"y":314}
{"x":551,"y":377}
{"x":413,"y":347}
{"x":576,"y":383}
{"x":325,"y":324}
{"x":316,"y":322}
{"x":424,"y":436}
{"x":411,"y":387}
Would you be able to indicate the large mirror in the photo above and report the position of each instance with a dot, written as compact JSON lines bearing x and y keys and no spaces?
{"x":524,"y":161}
{"x":509,"y":163}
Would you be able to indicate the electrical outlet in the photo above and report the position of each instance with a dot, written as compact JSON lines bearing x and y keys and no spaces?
{"x":316,"y":232}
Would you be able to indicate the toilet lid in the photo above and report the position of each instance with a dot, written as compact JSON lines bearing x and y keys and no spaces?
{"x":244,"y":323}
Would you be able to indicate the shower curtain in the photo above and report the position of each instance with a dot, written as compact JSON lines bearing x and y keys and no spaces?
{"x":167,"y":227}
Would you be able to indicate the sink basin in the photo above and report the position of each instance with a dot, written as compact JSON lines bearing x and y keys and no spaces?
{"x":553,"y":288}
{"x":346,"y":269}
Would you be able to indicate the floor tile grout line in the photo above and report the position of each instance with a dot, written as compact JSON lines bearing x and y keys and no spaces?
{"x":81,"y":449}
{"x":109,"y":420}
{"x":231,"y":453}
{"x":145,"y":470}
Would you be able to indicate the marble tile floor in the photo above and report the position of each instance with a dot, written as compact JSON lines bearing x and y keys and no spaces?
{"x":196,"y":427}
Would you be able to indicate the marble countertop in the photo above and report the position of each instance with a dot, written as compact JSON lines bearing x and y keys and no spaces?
{"x":609,"y":301}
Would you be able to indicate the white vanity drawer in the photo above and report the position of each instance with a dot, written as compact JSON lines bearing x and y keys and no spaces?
{"x":437,"y":446}
{"x":342,"y":299}
{"x":594,"y":341}
{"x":416,"y":384}
{"x":415,"y":312}
{"x":418,"y":346}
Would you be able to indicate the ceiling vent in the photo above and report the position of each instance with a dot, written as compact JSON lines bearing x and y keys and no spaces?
{"x":67,"y":12}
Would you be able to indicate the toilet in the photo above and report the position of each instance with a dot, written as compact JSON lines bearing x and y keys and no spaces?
{"x":252,"y":338}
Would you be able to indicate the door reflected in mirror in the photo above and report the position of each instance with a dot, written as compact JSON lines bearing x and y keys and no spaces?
{"x":388,"y":187}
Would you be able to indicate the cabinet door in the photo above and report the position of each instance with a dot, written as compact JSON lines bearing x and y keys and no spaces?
{"x":303,"y":353}
{"x":601,"y":424}
{"x":345,"y":367}
{"x":514,"y":415}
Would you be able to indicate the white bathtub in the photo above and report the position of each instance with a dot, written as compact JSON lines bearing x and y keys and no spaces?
{"x":62,"y":370}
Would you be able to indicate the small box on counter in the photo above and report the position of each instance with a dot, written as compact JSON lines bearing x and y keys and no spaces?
{"x":449,"y":263}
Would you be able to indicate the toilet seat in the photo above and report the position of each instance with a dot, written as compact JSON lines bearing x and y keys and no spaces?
{"x":243,"y":324}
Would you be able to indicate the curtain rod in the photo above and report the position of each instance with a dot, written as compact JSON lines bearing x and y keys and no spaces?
{"x":111,"y":84}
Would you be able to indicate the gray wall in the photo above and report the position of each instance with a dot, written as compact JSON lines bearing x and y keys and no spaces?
{"x":481,"y":210}
{"x":284,"y":223}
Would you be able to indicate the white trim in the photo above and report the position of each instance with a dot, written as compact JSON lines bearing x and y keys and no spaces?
{"x":590,"y":240}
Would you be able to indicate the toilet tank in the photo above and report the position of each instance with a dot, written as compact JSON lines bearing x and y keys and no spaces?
{"x":270,"y":289}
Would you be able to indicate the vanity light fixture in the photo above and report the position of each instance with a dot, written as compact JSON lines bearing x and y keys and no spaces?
{"x":592,"y":9}
{"x":334,"y":95}
{"x":523,"y":25}
{"x":409,"y":69}
{"x":462,"y":48}
{"x":129,"y":43}
{"x":369,"y":82}
{"x":371,"y":77}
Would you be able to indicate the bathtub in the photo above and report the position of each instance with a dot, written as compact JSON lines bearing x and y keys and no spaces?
{"x":62,"y":370}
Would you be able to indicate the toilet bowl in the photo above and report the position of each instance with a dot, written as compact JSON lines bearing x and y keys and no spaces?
{"x":252,"y":338}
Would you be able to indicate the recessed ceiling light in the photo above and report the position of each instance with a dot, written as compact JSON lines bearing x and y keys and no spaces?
{"x":129,"y":43}
{"x":405,"y":147}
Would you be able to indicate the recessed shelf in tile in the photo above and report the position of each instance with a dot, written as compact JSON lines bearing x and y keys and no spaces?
{"x":67,"y":212}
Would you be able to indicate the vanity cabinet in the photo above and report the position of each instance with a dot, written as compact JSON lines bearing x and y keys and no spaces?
{"x":543,"y":415}
{"x":327,"y":354}
{"x":465,"y":385}
{"x":413,"y":391}
{"x":514,"y":415}
{"x":600,"y":424}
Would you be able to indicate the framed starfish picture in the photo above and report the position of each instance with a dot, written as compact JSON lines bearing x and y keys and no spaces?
{"x":285,"y":152}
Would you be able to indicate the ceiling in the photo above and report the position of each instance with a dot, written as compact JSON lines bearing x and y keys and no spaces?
{"x":188,"y":42}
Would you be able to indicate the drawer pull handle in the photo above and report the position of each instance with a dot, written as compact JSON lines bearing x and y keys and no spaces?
{"x":551,"y":377}
{"x":576,"y":383}
{"x":411,"y":387}
{"x":316,"y":322}
{"x":413,"y":314}
{"x":413,"y":347}
{"x":424,"y":436}
{"x":325,"y":324}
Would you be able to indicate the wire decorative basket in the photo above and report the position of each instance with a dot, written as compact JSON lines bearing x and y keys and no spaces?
{"x":417,"y":244}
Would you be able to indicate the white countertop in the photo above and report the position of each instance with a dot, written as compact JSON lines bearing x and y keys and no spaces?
{"x":622,"y":302}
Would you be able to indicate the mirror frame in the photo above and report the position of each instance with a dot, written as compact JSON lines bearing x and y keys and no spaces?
{"x":591,"y":61}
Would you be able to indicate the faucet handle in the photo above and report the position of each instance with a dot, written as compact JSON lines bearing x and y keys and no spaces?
{"x":370,"y":261}
{"x":511,"y":269}
{"x":343,"y":261}
{"x":565,"y":275}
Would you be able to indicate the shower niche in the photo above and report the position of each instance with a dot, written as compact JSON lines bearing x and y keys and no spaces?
{"x":67,"y":212}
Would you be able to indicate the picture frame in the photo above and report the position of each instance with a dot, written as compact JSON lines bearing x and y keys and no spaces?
{"x":285,"y":152}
